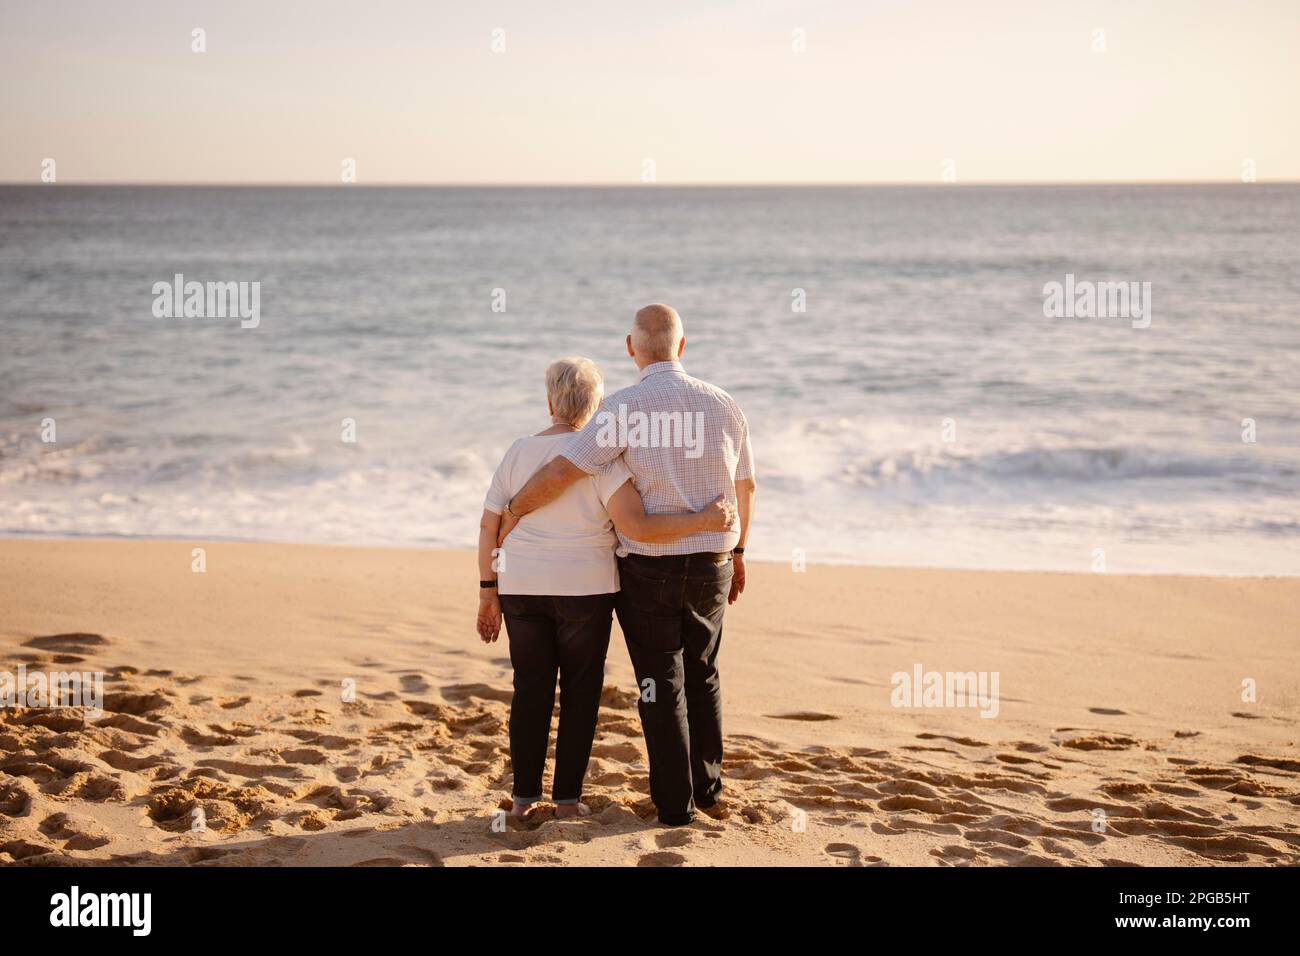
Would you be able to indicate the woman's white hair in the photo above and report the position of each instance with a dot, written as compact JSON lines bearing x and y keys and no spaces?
{"x":575,"y":388}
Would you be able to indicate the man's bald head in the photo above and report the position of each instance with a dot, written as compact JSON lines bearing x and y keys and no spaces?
{"x":657,"y":333}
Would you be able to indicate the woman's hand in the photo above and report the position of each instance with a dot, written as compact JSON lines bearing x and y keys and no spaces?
{"x":489,"y":615}
{"x":508,"y":522}
{"x":719,"y":515}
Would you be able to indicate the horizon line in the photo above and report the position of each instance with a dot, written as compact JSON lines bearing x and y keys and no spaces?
{"x":699,"y":184}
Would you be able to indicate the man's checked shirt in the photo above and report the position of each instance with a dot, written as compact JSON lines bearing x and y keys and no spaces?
{"x":693,"y":447}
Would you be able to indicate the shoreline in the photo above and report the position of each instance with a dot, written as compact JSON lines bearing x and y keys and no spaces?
{"x":953,"y":569}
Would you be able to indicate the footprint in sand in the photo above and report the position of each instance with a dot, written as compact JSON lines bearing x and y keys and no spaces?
{"x":955,"y":853}
{"x":414,"y":684}
{"x":422,"y":855}
{"x":662,"y":858}
{"x":385,"y":861}
{"x":808,"y":715}
{"x":618,"y":699}
{"x":302,"y":755}
{"x":197,"y":738}
{"x":15,"y":801}
{"x":68,"y":643}
{"x":1100,"y":742}
{"x":674,"y":838}
{"x":204,"y":854}
{"x":623,"y":750}
{"x":75,"y":831}
{"x":252,"y":771}
{"x":137,"y":705}
{"x":846,"y":854}
{"x":23,"y":850}
{"x":59,"y":721}
{"x":964,"y":741}
{"x":147,"y":766}
{"x":463,"y":692}
{"x":1107,"y":711}
{"x":130,"y":724}
{"x":1276,"y":763}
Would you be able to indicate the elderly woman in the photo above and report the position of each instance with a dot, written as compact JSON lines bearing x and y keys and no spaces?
{"x":554,"y":580}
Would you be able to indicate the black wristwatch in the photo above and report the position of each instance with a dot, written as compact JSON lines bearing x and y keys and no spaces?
{"x":484,"y":585}
{"x":737,"y":550}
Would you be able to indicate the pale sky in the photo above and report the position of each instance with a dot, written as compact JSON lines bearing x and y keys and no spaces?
{"x":712,"y":92}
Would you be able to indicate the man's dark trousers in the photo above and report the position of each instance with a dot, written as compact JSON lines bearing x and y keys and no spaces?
{"x":670,"y":609}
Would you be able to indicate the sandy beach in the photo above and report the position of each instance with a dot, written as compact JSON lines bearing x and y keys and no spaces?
{"x":1120,"y":736}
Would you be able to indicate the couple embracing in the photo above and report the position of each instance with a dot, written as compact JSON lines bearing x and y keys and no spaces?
{"x":593,"y":518}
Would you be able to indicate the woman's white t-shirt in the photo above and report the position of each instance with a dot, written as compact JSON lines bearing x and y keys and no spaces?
{"x":566,"y":547}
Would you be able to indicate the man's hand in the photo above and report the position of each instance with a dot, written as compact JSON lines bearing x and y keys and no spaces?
{"x":508,"y":522}
{"x":737,"y":577}
{"x":489,"y":615}
{"x":720,"y":515}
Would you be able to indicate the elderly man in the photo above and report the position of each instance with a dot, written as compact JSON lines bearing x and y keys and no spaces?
{"x":685,"y":442}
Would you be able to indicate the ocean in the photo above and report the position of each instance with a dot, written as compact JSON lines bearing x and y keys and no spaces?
{"x":910,"y":401}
